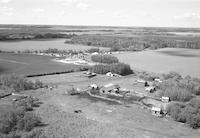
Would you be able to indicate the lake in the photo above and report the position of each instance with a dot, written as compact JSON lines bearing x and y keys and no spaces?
{"x":42,"y":45}
{"x":183,"y":61}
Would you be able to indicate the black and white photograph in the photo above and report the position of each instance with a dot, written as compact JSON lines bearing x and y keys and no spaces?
{"x":99,"y":68}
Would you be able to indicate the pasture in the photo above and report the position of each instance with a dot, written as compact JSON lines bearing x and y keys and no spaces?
{"x":183,"y":61}
{"x":26,"y":64}
{"x":99,"y":118}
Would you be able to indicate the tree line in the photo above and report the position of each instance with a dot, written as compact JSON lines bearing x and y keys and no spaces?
{"x":125,"y":43}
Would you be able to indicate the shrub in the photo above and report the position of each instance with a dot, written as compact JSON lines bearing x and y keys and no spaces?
{"x":189,"y":113}
{"x":18,"y":119}
{"x":173,"y":89}
{"x":119,"y":68}
{"x":92,"y":50}
{"x":18,"y":83}
{"x":28,"y":122}
{"x":174,"y":110}
{"x":35,"y":134}
{"x":108,"y":59}
{"x":10,"y":119}
{"x":192,"y":84}
{"x":172,"y":75}
{"x":11,"y":135}
{"x":27,"y":103}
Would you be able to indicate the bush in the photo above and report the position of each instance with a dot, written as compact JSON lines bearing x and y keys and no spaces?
{"x":9,"y":120}
{"x":18,"y":83}
{"x":189,"y":114}
{"x":172,"y":88}
{"x":175,"y":110}
{"x":35,"y":134}
{"x":118,"y":68}
{"x":18,"y":119}
{"x":27,"y":103}
{"x":11,"y":135}
{"x":108,"y":59}
{"x":92,"y":50}
{"x":28,"y":122}
{"x":192,"y":84}
{"x":177,"y":94}
{"x":172,"y":75}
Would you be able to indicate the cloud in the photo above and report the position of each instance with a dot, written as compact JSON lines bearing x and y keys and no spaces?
{"x":66,"y":2}
{"x":188,"y":16}
{"x":6,"y":10}
{"x":121,"y":15}
{"x":38,"y":10}
{"x":38,"y":13}
{"x":82,"y":6}
{"x":5,"y":1}
{"x":100,"y":12}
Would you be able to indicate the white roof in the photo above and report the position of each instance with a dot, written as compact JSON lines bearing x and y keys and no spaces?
{"x":163,"y":97}
{"x":156,"y":109}
{"x":109,"y":85}
{"x":149,"y":88}
{"x":93,"y":85}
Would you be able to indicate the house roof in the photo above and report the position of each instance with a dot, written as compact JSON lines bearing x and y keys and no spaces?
{"x":110,"y":86}
{"x":156,"y":109}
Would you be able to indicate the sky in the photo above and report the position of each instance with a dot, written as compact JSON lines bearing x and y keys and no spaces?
{"x":148,"y":13}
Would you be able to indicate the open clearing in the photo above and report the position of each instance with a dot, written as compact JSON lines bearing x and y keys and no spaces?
{"x":26,"y":64}
{"x":99,"y":118}
{"x":183,"y":61}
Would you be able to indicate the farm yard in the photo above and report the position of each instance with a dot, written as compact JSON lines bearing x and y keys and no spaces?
{"x":81,"y":81}
{"x":99,"y":118}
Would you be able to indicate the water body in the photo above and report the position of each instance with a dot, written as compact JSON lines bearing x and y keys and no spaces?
{"x":42,"y":45}
{"x":183,"y":61}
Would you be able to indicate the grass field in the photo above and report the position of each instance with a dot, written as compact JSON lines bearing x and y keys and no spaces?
{"x":99,"y":118}
{"x":183,"y":61}
{"x":26,"y":64}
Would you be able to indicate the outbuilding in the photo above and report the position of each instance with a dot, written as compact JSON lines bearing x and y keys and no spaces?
{"x":109,"y":88}
{"x":156,"y":111}
{"x":150,"y":89}
{"x":165,"y":99}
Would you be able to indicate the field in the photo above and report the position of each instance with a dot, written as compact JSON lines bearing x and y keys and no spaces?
{"x":26,"y":64}
{"x":84,"y":116}
{"x":98,"y":118}
{"x":183,"y":61}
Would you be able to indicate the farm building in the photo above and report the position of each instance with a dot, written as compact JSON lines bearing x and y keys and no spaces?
{"x":165,"y":99}
{"x":94,"y":86}
{"x":150,"y":89}
{"x":95,"y":53}
{"x":158,"y":80}
{"x":110,"y":74}
{"x":110,"y":88}
{"x":141,"y":81}
{"x":156,"y":111}
{"x":90,"y":74}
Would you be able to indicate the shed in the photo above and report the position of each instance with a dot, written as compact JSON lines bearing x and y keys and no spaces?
{"x":94,"y":86}
{"x":141,"y":81}
{"x":158,"y":80}
{"x":165,"y":99}
{"x":156,"y":111}
{"x":150,"y":89}
{"x":110,"y":88}
{"x":110,"y":74}
{"x":95,"y":53}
